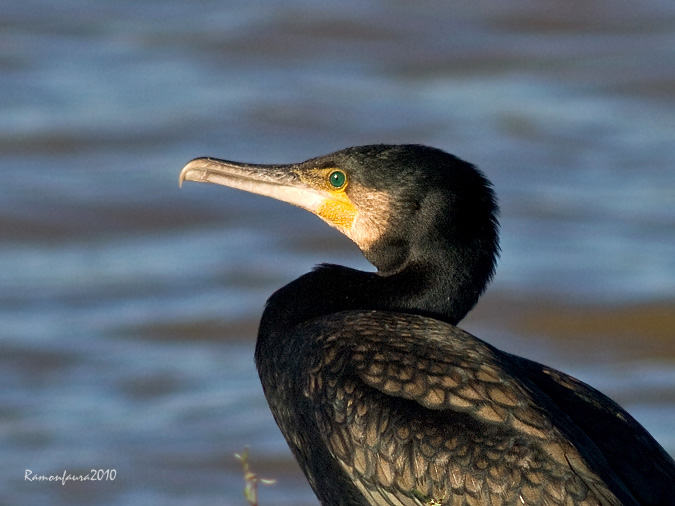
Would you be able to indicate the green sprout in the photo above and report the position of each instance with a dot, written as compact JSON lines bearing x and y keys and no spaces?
{"x":252,"y":479}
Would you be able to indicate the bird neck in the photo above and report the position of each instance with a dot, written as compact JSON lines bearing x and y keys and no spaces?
{"x":432,"y":288}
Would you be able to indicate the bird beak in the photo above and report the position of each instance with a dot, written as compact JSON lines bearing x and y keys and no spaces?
{"x":281,"y":182}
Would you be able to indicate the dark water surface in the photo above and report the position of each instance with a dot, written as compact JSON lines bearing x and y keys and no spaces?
{"x":128,"y":308}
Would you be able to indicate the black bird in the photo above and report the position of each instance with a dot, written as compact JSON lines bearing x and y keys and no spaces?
{"x":382,"y":399}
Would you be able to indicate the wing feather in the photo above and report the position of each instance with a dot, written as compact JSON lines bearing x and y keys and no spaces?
{"x":438,"y":415}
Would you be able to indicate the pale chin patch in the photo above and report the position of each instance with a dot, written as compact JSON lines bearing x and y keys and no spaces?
{"x":371,"y":222}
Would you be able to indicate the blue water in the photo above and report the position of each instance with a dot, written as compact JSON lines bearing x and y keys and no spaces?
{"x":108,"y":271}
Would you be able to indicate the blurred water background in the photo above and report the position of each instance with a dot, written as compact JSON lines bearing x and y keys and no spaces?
{"x":128,"y":307}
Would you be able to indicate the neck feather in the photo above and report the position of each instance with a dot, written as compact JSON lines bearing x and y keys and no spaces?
{"x":443,"y":292}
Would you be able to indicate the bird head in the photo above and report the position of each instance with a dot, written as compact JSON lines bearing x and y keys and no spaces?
{"x":398,"y":203}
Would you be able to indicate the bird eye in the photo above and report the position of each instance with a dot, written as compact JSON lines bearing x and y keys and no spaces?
{"x":337,"y":179}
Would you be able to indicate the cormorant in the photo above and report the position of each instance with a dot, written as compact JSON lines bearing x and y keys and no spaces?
{"x":381,"y":397}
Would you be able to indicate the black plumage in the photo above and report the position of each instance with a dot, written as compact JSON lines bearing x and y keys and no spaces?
{"x":382,"y":399}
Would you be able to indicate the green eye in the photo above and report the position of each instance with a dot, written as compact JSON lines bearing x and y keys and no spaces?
{"x":337,"y":179}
